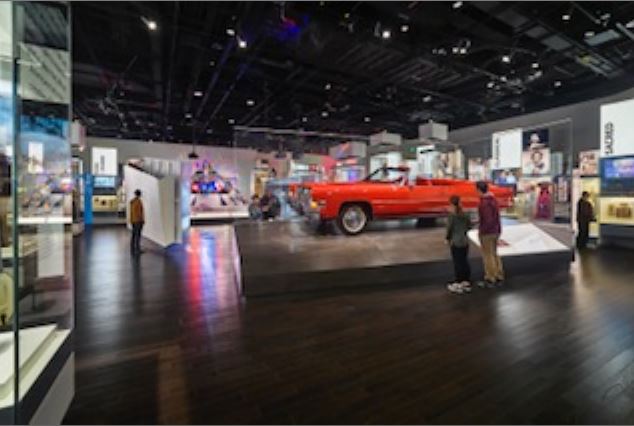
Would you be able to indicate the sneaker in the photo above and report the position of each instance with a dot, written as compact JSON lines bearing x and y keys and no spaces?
{"x":455,"y":288}
{"x":466,"y":286}
{"x":486,"y":284}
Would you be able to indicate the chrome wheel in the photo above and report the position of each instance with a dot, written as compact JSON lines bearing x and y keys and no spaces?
{"x":353,"y":219}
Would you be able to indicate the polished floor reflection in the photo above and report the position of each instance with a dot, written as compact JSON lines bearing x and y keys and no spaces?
{"x":167,"y":339}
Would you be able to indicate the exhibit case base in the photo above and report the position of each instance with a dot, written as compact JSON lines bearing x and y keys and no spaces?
{"x":288,"y":257}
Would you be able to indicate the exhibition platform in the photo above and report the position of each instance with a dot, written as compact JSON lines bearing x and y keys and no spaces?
{"x":288,"y":257}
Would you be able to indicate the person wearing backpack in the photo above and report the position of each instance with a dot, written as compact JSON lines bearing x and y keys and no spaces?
{"x":458,"y":224}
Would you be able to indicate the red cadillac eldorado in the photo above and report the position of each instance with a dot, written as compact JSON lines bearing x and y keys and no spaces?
{"x":388,"y":194}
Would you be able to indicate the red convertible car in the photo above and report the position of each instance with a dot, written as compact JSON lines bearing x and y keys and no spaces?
{"x":388,"y":194}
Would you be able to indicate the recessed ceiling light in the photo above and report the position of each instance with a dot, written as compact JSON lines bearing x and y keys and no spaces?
{"x":404,"y":28}
{"x":231,"y":32}
{"x":506,"y":59}
{"x":242,"y":44}
{"x":463,"y":50}
{"x":565,"y":17}
{"x":328,"y":86}
{"x":427,"y":98}
{"x":250,"y":102}
{"x":386,"y":34}
{"x":589,"y":34}
{"x":212,"y":63}
{"x":304,"y":119}
{"x":324,"y":114}
{"x":346,"y":15}
{"x":535,"y":65}
{"x":231,"y":121}
{"x":457,"y":5}
{"x":455,"y":50}
{"x":490,"y":84}
{"x":557,"y":83}
{"x":366,"y":119}
{"x":503,"y":78}
{"x":198,"y":93}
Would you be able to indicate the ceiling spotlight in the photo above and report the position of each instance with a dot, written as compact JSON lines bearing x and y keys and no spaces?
{"x":231,"y":32}
{"x":457,"y":5}
{"x":327,"y":86}
{"x":503,"y":79}
{"x":366,"y":119}
{"x":149,"y":23}
{"x":589,"y":34}
{"x":455,"y":50}
{"x":386,"y":34}
{"x":630,"y":24}
{"x":250,"y":102}
{"x":304,"y":119}
{"x":506,"y":59}
{"x":198,"y":93}
{"x":212,"y":63}
{"x":557,"y":83}
{"x":535,"y":65}
{"x":188,"y":115}
{"x":242,"y":44}
{"x":404,"y":28}
{"x":427,"y":98}
{"x":490,"y":84}
{"x":209,"y":131}
{"x":463,"y":50}
{"x":346,"y":15}
{"x":565,"y":17}
{"x":231,"y":121}
{"x":324,"y":114}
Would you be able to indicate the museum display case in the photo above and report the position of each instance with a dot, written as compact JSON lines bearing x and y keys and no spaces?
{"x":36,"y":273}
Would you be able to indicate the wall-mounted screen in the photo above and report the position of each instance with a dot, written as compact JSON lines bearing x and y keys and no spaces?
{"x":506,"y":150}
{"x":104,"y":182}
{"x":617,"y":176}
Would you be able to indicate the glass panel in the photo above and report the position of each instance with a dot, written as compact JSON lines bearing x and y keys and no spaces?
{"x":7,"y":332}
{"x":43,"y":198}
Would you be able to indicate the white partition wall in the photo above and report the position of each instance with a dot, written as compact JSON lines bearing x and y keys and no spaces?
{"x":160,"y":203}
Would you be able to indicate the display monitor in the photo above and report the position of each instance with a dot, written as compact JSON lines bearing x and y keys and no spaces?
{"x":617,"y":175}
{"x":104,"y":182}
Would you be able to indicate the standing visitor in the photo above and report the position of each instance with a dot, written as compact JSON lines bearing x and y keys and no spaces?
{"x":458,"y":224}
{"x":137,"y":220}
{"x":585,"y":215}
{"x":490,"y":228}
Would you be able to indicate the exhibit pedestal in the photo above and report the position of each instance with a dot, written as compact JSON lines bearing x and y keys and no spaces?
{"x":288,"y":257}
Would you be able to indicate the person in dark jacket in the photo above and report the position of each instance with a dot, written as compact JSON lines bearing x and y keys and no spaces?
{"x":458,"y":224}
{"x":489,"y":230}
{"x":585,"y":215}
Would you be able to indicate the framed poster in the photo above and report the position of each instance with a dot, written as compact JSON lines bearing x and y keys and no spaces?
{"x":589,"y":162}
{"x":536,"y":161}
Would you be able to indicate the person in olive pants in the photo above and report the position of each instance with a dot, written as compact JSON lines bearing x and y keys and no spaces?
{"x":489,"y":231}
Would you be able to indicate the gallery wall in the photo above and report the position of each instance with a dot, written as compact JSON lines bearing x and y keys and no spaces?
{"x":227,"y":161}
{"x":583,"y":120}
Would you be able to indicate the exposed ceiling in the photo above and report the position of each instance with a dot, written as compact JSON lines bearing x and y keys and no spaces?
{"x":350,"y":67}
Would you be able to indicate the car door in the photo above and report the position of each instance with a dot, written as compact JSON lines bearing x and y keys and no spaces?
{"x":429,"y":199}
{"x":390,"y":199}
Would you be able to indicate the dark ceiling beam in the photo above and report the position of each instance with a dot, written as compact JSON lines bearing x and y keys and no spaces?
{"x":170,"y":72}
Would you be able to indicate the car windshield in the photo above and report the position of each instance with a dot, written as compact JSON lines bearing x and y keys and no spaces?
{"x":387,"y":175}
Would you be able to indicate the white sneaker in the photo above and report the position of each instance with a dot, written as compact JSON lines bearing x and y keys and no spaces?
{"x":466,"y":286}
{"x":455,"y":288}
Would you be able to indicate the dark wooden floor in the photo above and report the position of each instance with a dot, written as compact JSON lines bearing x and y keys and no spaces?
{"x":168,"y":340}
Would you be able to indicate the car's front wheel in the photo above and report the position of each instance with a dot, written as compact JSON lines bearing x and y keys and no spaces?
{"x":352,"y":219}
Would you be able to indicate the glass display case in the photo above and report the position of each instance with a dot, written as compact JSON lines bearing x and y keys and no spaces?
{"x":36,"y":272}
